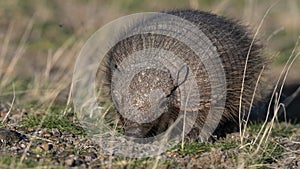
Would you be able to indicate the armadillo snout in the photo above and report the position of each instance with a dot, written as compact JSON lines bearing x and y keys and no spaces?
{"x":135,"y":132}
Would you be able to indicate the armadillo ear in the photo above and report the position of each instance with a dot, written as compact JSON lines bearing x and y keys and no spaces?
{"x":181,"y":75}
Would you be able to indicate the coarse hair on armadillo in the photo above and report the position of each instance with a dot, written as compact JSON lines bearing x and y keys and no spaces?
{"x":234,"y":44}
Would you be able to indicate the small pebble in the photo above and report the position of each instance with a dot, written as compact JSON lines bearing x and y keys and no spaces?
{"x":47,"y":135}
{"x":47,"y":146}
{"x":70,"y":162}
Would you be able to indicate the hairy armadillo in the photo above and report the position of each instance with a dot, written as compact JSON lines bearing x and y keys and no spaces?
{"x":154,"y":90}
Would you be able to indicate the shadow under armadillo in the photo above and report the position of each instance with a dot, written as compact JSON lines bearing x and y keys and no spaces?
{"x":291,"y":94}
{"x":289,"y":105}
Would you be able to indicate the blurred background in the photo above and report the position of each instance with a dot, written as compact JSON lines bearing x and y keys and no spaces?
{"x":40,"y":40}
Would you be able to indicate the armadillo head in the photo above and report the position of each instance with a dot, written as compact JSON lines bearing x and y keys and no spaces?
{"x":150,"y":94}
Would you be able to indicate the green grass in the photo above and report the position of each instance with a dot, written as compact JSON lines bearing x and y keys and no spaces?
{"x":53,"y":120}
{"x":10,"y":161}
{"x":193,"y":148}
{"x":279,"y":129}
{"x":226,"y":144}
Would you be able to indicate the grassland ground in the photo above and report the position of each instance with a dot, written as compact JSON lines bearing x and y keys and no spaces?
{"x":60,"y":142}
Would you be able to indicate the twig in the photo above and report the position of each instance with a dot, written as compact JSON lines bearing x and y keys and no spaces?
{"x":11,"y":106}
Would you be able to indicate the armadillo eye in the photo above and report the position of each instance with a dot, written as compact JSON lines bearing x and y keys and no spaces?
{"x":163,"y":103}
